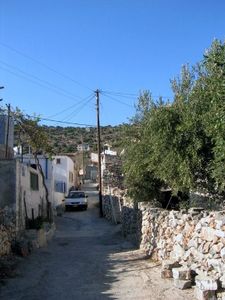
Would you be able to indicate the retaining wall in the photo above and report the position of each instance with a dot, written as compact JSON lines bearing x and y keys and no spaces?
{"x":195,"y":239}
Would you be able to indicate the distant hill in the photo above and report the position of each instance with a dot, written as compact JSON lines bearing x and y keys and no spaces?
{"x":66,"y":139}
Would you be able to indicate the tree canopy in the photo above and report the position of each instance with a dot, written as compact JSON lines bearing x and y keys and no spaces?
{"x":181,"y":144}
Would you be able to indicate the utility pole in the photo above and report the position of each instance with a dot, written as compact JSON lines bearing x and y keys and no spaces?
{"x":1,"y":87}
{"x":99,"y":154}
{"x":7,"y":132}
{"x":82,"y":142}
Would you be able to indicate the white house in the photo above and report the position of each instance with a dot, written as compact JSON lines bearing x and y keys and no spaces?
{"x":63,"y":177}
{"x":47,"y":168}
{"x":59,"y":175}
{"x":22,"y":191}
{"x":83,"y":147}
{"x":31,"y":193}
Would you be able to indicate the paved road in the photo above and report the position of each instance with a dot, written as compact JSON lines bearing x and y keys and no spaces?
{"x":88,"y":259}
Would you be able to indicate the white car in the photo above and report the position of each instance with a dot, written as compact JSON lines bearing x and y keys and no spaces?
{"x":76,"y":199}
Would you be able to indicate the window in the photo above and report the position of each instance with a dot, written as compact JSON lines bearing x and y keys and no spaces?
{"x":34,"y":184}
{"x":76,"y":195}
{"x":70,"y":177}
{"x":23,"y":171}
{"x":60,"y":186}
{"x":58,"y":161}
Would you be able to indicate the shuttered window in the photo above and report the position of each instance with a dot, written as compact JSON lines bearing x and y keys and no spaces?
{"x":34,"y":184}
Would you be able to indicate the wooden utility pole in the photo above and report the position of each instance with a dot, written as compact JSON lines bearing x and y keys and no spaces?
{"x":82,"y":142}
{"x":7,"y":133}
{"x":99,"y":155}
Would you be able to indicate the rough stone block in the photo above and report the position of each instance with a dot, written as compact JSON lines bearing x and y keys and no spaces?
{"x":181,"y":273}
{"x":220,"y":233}
{"x":222,"y":253}
{"x":178,"y":252}
{"x":206,"y":283}
{"x":220,"y":295}
{"x":195,"y":210}
{"x":222,"y":281}
{"x":170,"y":264}
{"x":204,"y":294}
{"x":179,"y":238}
{"x":182,"y":284}
{"x":208,"y":234}
{"x":166,"y":273}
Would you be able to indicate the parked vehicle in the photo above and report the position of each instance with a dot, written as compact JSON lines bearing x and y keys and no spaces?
{"x":76,"y":199}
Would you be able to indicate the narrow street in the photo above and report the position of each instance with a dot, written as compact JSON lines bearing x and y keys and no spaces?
{"x":88,"y":259}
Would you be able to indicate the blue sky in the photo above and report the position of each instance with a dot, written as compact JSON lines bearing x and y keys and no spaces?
{"x":55,"y":53}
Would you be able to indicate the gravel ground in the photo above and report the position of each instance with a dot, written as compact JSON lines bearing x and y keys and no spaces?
{"x":88,"y":259}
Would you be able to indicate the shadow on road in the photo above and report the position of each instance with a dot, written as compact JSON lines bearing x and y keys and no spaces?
{"x":78,"y":263}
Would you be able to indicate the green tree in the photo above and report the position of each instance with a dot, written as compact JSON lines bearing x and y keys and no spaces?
{"x":139,"y":179}
{"x":181,"y":144}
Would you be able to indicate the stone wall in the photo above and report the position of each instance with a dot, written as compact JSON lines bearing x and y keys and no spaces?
{"x":112,"y":206}
{"x":132,"y":223}
{"x":7,"y":205}
{"x":7,"y":230}
{"x":7,"y":183}
{"x":119,"y":209}
{"x":196,"y":239}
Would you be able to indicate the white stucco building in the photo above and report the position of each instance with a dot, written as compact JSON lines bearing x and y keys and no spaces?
{"x":63,"y":177}
{"x":59,"y":175}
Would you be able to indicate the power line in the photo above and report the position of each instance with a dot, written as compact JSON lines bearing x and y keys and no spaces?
{"x":132,"y":95}
{"x":63,"y":122}
{"x":122,"y":94}
{"x":74,"y":113}
{"x":70,"y":107}
{"x":117,"y":100}
{"x":38,"y":83}
{"x":66,"y":122}
{"x":44,"y":65}
{"x":52,"y":120}
{"x":39,"y":79}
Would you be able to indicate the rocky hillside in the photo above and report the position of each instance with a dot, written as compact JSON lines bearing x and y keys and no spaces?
{"x":66,"y":139}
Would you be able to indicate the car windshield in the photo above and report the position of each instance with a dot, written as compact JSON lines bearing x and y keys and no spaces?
{"x":76,"y":195}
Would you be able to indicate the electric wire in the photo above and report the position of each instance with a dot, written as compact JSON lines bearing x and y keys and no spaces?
{"x":37,"y":83}
{"x":39,"y":79}
{"x":54,"y":89}
{"x":74,"y":113}
{"x":123,"y":94}
{"x":53,"y":120}
{"x":44,"y":65}
{"x":70,"y":107}
{"x":66,"y":122}
{"x":117,"y":100}
{"x":132,"y":95}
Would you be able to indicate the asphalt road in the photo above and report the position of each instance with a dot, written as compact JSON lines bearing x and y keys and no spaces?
{"x":88,"y":259}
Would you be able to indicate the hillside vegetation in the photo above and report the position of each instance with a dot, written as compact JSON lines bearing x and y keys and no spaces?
{"x":66,"y":139}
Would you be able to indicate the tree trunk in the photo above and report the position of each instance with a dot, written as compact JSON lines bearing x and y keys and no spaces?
{"x":45,"y":187}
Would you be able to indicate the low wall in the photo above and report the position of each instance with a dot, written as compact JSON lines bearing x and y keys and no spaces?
{"x":8,"y":183}
{"x":118,"y":209}
{"x":195,"y":239}
{"x":132,"y":223}
{"x":7,"y":230}
{"x":112,"y":206}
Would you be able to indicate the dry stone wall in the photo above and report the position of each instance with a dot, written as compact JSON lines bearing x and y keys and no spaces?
{"x":190,"y":244}
{"x":111,"y":206}
{"x":195,"y":239}
{"x":7,"y":230}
